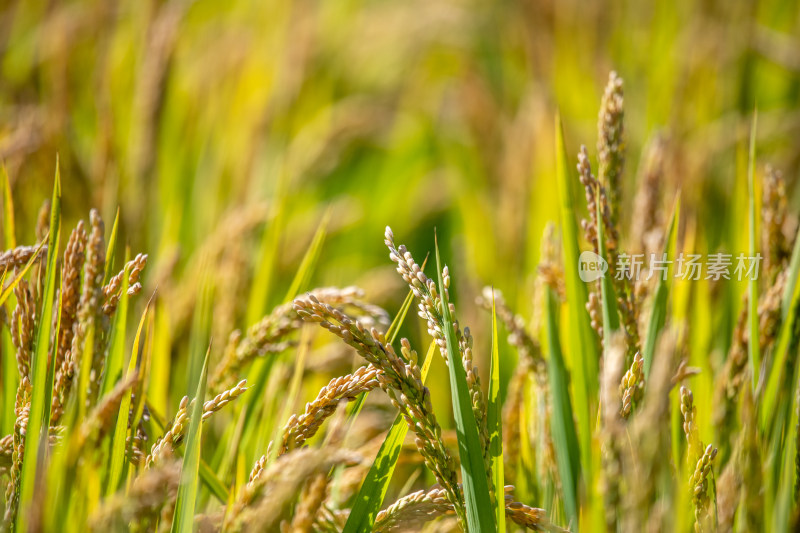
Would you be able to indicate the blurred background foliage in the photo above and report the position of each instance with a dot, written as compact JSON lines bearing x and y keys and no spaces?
{"x":225,"y":131}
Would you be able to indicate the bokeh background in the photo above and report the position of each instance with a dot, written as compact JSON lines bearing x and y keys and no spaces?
{"x":225,"y":131}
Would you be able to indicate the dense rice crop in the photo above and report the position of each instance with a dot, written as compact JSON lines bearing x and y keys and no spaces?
{"x":590,"y":328}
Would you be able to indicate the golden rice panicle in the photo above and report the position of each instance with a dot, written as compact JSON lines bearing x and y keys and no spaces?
{"x":70,"y":296}
{"x":647,"y":233}
{"x":773,"y":212}
{"x":90,"y":313}
{"x":23,"y":326}
{"x":689,"y":414}
{"x":74,"y":257}
{"x":736,"y":370}
{"x":176,"y":431}
{"x":264,"y":337}
{"x":431,"y":309}
{"x":268,"y":336}
{"x":18,"y":257}
{"x":138,"y":508}
{"x":631,"y":388}
{"x":346,"y":388}
{"x":413,"y":510}
{"x":611,"y":143}
{"x":311,"y":499}
{"x":518,"y":335}
{"x":266,"y":501}
{"x":99,"y":421}
{"x":644,"y":466}
{"x":749,"y":462}
{"x":733,"y":375}
{"x":613,"y":430}
{"x":699,"y":485}
{"x":402,"y":382}
{"x":112,"y":290}
{"x":22,"y":407}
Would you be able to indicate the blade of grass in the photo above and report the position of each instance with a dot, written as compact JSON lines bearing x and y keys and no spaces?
{"x":9,"y":367}
{"x":583,"y":344}
{"x":309,"y":259}
{"x":565,"y":440}
{"x":479,"y":508}
{"x":752,"y":315}
{"x":183,"y":519}
{"x":658,"y":315}
{"x":495,"y":426}
{"x":116,"y":355}
{"x":9,"y":233}
{"x":42,"y":370}
{"x":112,"y":244}
{"x":373,"y":490}
{"x":117,"y":463}
{"x":259,"y":374}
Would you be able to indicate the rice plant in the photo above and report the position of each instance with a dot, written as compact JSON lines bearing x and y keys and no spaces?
{"x":295,"y":268}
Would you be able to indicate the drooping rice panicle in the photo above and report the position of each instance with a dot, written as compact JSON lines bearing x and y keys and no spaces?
{"x":631,"y":388}
{"x":612,"y":431}
{"x":423,"y":506}
{"x":112,"y":289}
{"x":268,"y":335}
{"x":19,"y":256}
{"x":773,"y":212}
{"x":647,"y":231}
{"x":699,"y":485}
{"x":430,"y":305}
{"x":734,"y":373}
{"x":301,"y":428}
{"x":22,"y":407}
{"x":645,"y":469}
{"x":414,"y":509}
{"x":263,"y":503}
{"x":176,"y":430}
{"x":401,"y":380}
{"x":99,"y":422}
{"x":139,"y":508}
{"x":310,"y":502}
{"x":23,"y":327}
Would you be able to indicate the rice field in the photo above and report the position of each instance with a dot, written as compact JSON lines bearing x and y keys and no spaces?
{"x":299,"y":266}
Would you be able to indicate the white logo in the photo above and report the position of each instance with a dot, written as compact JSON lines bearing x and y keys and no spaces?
{"x":591,"y":266}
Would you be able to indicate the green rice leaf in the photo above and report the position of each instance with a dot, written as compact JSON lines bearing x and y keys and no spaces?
{"x":310,"y":259}
{"x":658,"y":315}
{"x":183,"y":519}
{"x":479,"y":508}
{"x":9,"y":233}
{"x":565,"y":440}
{"x":9,"y":369}
{"x":42,"y":373}
{"x":117,"y":463}
{"x":116,"y":354}
{"x":373,"y":490}
{"x":495,"y":424}
{"x":752,"y":316}
{"x":112,"y":246}
{"x":583,"y":344}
